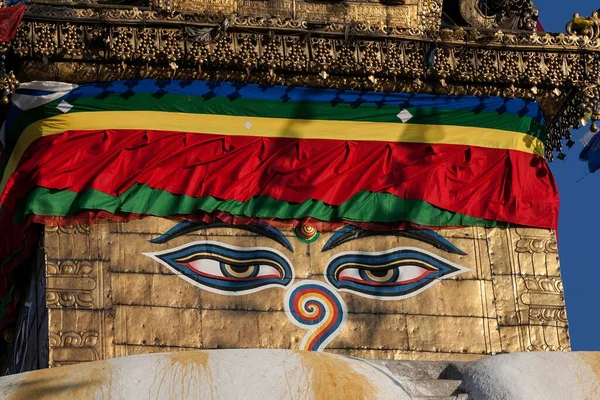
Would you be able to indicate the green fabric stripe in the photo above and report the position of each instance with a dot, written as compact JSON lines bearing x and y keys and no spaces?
{"x":296,"y":110}
{"x":141,"y":199}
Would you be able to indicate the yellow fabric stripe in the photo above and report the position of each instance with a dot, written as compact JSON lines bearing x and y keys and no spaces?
{"x":271,"y":127}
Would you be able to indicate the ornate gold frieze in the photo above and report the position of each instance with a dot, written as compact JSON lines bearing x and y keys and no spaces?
{"x":70,"y":284}
{"x":428,"y":9}
{"x":82,"y":229}
{"x":73,"y":347}
{"x":528,"y":290}
{"x":77,"y":335}
{"x":586,"y":27}
{"x":430,"y":15}
{"x":536,"y":244}
{"x":545,"y":299}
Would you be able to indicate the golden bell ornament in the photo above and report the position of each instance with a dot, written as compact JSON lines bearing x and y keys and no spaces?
{"x":306,"y":232}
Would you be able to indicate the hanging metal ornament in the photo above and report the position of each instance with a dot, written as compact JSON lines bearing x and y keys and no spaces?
{"x":8,"y":81}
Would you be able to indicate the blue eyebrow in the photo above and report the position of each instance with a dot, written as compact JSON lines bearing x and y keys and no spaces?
{"x":349,"y":233}
{"x":180,"y":229}
{"x":186,"y":227}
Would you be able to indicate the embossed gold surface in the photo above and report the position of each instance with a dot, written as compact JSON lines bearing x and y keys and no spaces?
{"x":404,"y":13}
{"x":107,"y":299}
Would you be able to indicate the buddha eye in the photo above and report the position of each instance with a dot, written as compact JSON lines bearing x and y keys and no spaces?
{"x":227,"y":269}
{"x":389,"y":275}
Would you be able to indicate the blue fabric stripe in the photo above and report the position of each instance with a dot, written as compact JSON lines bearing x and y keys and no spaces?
{"x":521,"y":107}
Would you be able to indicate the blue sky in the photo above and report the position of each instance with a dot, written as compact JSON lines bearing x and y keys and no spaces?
{"x":579,"y":219}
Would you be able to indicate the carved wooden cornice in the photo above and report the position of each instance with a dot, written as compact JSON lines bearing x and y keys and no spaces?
{"x":562,"y":71}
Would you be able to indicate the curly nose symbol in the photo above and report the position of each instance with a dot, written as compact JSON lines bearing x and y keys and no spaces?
{"x":313,"y":306}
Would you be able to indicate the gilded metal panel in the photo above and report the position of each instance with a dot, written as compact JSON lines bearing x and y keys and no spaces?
{"x":374,"y":332}
{"x":224,"y":7}
{"x":279,"y":8}
{"x":153,"y":290}
{"x":110,"y":294}
{"x":401,"y":15}
{"x":433,"y":333}
{"x":161,"y":326}
{"x":275,"y":331}
{"x":444,"y":300}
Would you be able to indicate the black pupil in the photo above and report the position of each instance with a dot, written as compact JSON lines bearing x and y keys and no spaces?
{"x":239,"y":269}
{"x":380,"y":273}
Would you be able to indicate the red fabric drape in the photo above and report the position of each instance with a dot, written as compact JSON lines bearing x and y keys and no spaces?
{"x":494,"y":184}
{"x":10,"y":19}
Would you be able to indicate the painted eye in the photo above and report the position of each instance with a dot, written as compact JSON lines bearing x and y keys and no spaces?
{"x":385,"y":276}
{"x":389,"y":275}
{"x":212,"y":268}
{"x":227,"y":269}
